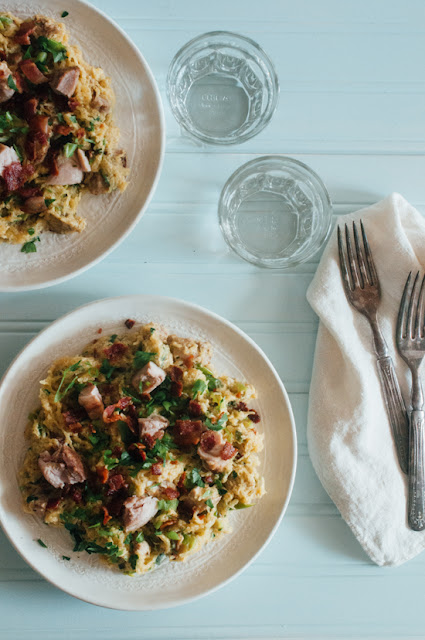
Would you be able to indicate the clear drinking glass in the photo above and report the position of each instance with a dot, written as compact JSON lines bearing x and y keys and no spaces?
{"x":222,"y":88}
{"x":275,"y":212}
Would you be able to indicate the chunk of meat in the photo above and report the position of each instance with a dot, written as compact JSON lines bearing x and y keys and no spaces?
{"x":30,"y":108}
{"x":28,"y":192}
{"x":22,"y":36}
{"x":12,"y":175}
{"x":32,"y":72}
{"x":97,"y":184}
{"x":35,"y":204}
{"x":63,"y":467}
{"x":129,"y":323}
{"x":188,"y":432}
{"x":65,"y":81}
{"x":214,"y":451}
{"x":83,"y":161}
{"x":138,"y":512}
{"x":100,"y":103}
{"x":115,"y":484}
{"x":5,"y":91}
{"x":91,"y":400}
{"x":8,"y":155}
{"x":152,"y":428}
{"x":69,"y":172}
{"x":148,"y":378}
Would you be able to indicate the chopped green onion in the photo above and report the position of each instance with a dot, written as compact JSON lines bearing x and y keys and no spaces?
{"x":5,"y":20}
{"x":69,"y":149}
{"x":173,"y":535}
{"x":31,"y":231}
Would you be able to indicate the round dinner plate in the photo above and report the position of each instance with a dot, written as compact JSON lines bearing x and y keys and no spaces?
{"x":137,"y":113}
{"x":172,"y":583}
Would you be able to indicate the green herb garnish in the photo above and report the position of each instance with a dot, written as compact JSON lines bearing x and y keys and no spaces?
{"x":49,"y":201}
{"x":107,"y":369}
{"x":66,"y":558}
{"x":31,"y":231}
{"x":113,"y":338}
{"x":60,"y":395}
{"x":29,"y":247}
{"x":57,"y":49}
{"x":193,"y":478}
{"x":213,"y":383}
{"x":41,"y":543}
{"x":141,"y":358}
{"x":5,"y":20}
{"x":209,"y":503}
{"x":198,"y":388}
{"x":64,"y":14}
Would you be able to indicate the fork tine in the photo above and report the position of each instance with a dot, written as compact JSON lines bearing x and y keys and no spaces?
{"x":419,"y":320}
{"x":360,"y":259}
{"x":372,"y":273}
{"x":412,"y":310}
{"x":343,"y":263}
{"x":402,"y":312}
{"x":354,"y":271}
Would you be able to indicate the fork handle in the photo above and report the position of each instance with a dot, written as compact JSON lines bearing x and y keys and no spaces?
{"x":416,"y":514}
{"x":396,"y":410}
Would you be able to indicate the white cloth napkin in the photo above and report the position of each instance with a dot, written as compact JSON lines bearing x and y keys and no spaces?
{"x":349,"y":435}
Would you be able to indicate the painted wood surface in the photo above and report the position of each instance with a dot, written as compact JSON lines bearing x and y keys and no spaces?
{"x":352,"y":106}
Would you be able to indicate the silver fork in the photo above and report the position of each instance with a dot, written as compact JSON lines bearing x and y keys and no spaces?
{"x":411,"y":345}
{"x":363,"y":291}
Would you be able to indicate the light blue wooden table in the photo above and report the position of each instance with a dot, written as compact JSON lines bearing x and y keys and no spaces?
{"x":352,"y":106}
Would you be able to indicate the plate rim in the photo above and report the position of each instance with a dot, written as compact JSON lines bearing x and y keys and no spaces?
{"x":162,"y":131}
{"x":211,"y":314}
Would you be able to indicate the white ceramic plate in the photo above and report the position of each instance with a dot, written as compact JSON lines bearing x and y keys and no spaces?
{"x":173,"y":583}
{"x":138,"y":114}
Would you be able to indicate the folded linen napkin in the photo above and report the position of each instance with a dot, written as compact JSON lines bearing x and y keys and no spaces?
{"x":349,"y":435}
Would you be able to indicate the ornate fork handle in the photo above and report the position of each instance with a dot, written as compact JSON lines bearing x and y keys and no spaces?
{"x":395,"y":409}
{"x":416,"y":511}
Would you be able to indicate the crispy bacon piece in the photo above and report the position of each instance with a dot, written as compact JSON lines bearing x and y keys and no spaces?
{"x":2,"y":55}
{"x":62,"y":129}
{"x":176,"y":375}
{"x":36,"y":146}
{"x":29,"y":192}
{"x":53,"y":503}
{"x":241,"y":406}
{"x":30,"y":108}
{"x":32,"y":72}
{"x":169,"y":523}
{"x":114,"y":413}
{"x":194,"y":409}
{"x":254,"y":417}
{"x":73,"y":104}
{"x":156,"y":469}
{"x":81,"y":132}
{"x":116,"y":482}
{"x":171,"y":493}
{"x":180,"y":483}
{"x":228,"y":451}
{"x":138,"y":449}
{"x":106,"y":516}
{"x":188,"y":432}
{"x":115,"y":351}
{"x":103,"y":474}
{"x":129,"y":323}
{"x":22,"y":36}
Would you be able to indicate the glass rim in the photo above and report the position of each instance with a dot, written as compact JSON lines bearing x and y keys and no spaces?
{"x":318,"y":240}
{"x":269,"y":66}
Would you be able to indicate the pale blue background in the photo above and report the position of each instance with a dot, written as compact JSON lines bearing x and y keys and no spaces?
{"x":352,"y":106}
